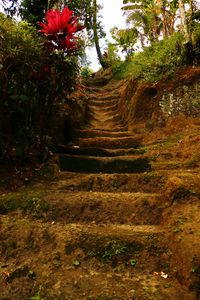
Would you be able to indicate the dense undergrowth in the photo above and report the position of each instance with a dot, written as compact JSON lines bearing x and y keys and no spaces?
{"x":162,"y":59}
{"x":33,"y":82}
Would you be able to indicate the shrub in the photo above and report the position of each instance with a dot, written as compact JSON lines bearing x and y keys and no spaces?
{"x":86,"y":72}
{"x":156,"y":62}
{"x":32,"y":83}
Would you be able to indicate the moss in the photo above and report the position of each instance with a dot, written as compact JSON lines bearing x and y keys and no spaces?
{"x":25,"y":201}
{"x":111,"y":251}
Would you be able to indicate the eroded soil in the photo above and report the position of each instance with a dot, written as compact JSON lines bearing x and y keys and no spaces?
{"x":118,"y":231}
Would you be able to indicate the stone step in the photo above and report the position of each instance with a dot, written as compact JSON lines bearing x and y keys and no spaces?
{"x":106,"y":117}
{"x":104,"y":208}
{"x":92,"y":164}
{"x":103,"y":108}
{"x":97,"y":83}
{"x":110,"y":143}
{"x":76,"y":150}
{"x":89,"y":133}
{"x":103,"y":103}
{"x":167,"y":165}
{"x":107,"y":129}
{"x":100,"y":92}
{"x":95,"y":125}
{"x":148,"y":182}
{"x":106,"y":125}
{"x":103,"y":96}
{"x":81,"y":262}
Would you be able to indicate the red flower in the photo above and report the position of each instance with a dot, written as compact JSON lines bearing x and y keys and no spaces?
{"x":60,"y":28}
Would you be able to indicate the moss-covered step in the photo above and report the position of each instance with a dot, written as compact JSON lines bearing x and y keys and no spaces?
{"x":110,"y":143}
{"x":104,"y":208}
{"x":91,"y":164}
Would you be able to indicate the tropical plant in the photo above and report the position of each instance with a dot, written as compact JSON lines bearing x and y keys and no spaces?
{"x":125,"y":39}
{"x":145,"y":16}
{"x":33,"y":82}
{"x":60,"y":29}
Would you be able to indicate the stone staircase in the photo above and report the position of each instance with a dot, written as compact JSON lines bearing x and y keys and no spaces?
{"x":105,"y":146}
{"x":120,"y":240}
{"x":102,"y":236}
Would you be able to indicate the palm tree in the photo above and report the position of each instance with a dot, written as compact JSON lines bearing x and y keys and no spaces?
{"x":144,"y":15}
{"x":155,"y":17}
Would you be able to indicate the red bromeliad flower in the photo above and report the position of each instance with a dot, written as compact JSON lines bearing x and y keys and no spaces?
{"x":60,"y":29}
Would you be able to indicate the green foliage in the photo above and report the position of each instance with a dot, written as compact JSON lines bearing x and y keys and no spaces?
{"x":32,"y":84}
{"x":33,"y":204}
{"x":33,"y":11}
{"x":156,"y":62}
{"x":196,"y":43}
{"x":86,"y":72}
{"x":76,"y":263}
{"x":110,"y":55}
{"x":37,"y":296}
{"x":82,"y":9}
{"x":125,"y":38}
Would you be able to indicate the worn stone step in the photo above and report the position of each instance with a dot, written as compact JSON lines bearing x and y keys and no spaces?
{"x":103,"y":90}
{"x":103,"y":208}
{"x":96,"y":83}
{"x":148,"y":182}
{"x":84,"y":262}
{"x":101,"y":97}
{"x":106,"y":125}
{"x":89,"y":133}
{"x":110,"y":143}
{"x":111,"y":108}
{"x":95,"y":125}
{"x":76,"y":150}
{"x":103,"y":104}
{"x":113,"y":128}
{"x":167,"y":165}
{"x":109,"y":128}
{"x":92,"y":164}
{"x":106,"y":117}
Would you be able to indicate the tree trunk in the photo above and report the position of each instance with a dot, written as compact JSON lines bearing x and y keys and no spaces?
{"x":96,"y":38}
{"x":184,"y":27}
{"x":164,"y":16}
{"x":190,"y":25}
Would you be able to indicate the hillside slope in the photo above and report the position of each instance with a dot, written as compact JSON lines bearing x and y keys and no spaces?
{"x":113,"y":216}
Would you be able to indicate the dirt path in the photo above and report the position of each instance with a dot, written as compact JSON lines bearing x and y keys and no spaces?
{"x":119,"y":221}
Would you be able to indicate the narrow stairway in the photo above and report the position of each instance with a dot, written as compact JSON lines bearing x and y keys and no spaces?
{"x":95,"y":231}
{"x":119,"y":237}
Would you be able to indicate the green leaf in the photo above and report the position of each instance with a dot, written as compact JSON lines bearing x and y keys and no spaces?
{"x":133,"y":262}
{"x":76,"y":263}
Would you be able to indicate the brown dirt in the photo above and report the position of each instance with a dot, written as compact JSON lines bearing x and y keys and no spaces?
{"x":100,"y":236}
